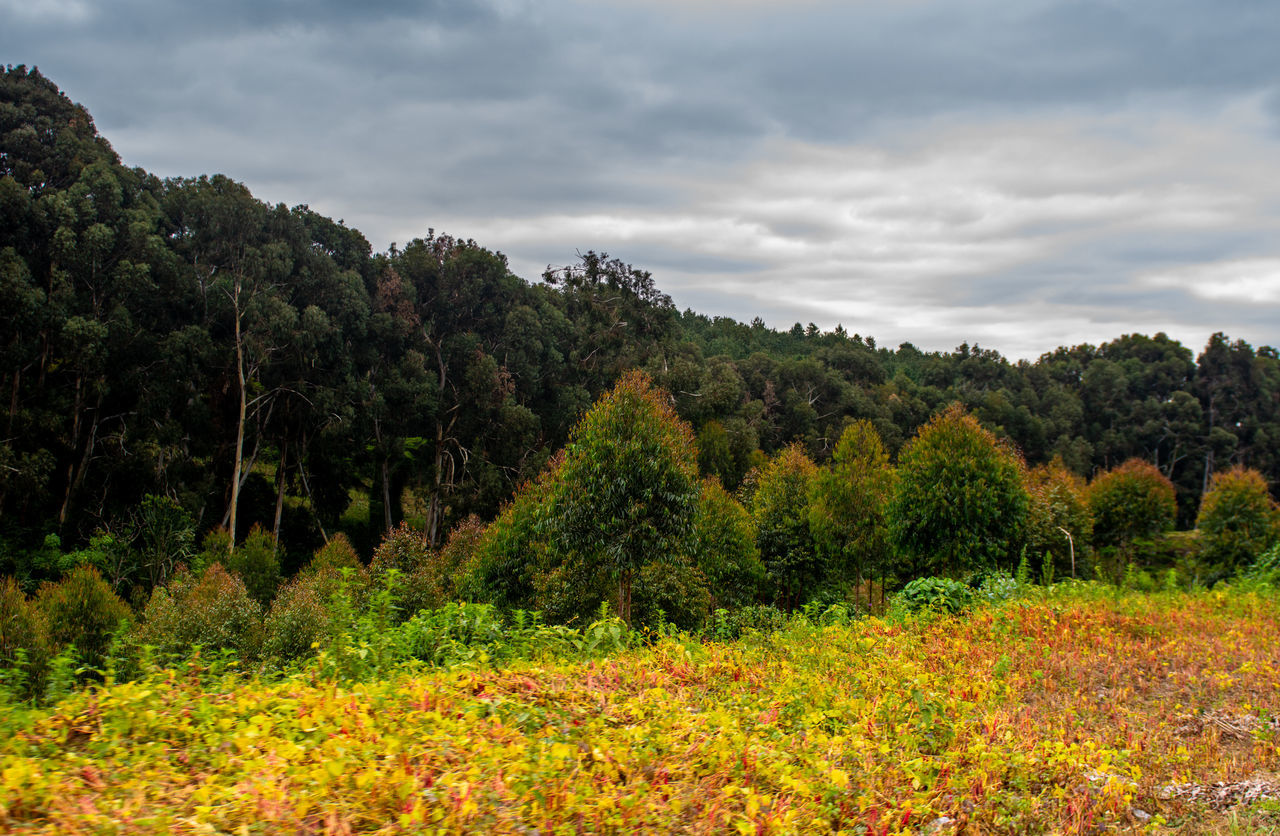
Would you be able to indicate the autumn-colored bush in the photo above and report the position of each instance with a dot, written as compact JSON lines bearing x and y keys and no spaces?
{"x":82,"y":612}
{"x":337,"y":554}
{"x":780,"y":509}
{"x":1059,"y":521}
{"x":1238,"y":519}
{"x":959,"y":505}
{"x":24,"y":637}
{"x":1131,"y":502}
{"x":213,"y":610}
{"x":300,"y":616}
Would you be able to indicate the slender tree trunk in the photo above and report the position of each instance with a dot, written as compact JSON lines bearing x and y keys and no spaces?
{"x":306,"y":487}
{"x":386,"y":496}
{"x":280,"y":479}
{"x":240,"y":421}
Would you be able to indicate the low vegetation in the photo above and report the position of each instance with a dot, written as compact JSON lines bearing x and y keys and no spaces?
{"x":1073,"y":709}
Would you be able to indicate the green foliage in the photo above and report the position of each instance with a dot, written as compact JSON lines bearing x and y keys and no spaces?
{"x":257,"y":562}
{"x":848,"y":502}
{"x":82,"y":613}
{"x":1238,"y":519}
{"x":959,"y":504}
{"x":1058,"y":507}
{"x":213,"y":610}
{"x":628,"y":488}
{"x":728,"y":625}
{"x":166,"y":538}
{"x":512,"y":550}
{"x":780,"y":509}
{"x":723,"y":548}
{"x":670,"y":593}
{"x":1132,"y":501}
{"x":929,"y":593}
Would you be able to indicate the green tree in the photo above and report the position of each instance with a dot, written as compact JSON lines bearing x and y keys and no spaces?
{"x":628,"y":489}
{"x":959,"y":505}
{"x":1131,"y":502}
{"x":723,"y":547}
{"x":780,"y":508}
{"x":850,"y":495}
{"x":1238,"y":519}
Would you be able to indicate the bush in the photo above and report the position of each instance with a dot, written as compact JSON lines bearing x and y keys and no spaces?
{"x":942,"y":594}
{"x":671,"y":593}
{"x":728,"y":625}
{"x":82,"y":612}
{"x":24,"y":639}
{"x":959,"y":504}
{"x":1238,"y":519}
{"x":213,"y":610}
{"x":299,"y":616}
{"x":257,"y":562}
{"x":1059,"y":502}
{"x":336,"y":555}
{"x":512,"y":550}
{"x":1131,"y":502}
{"x":780,"y":509}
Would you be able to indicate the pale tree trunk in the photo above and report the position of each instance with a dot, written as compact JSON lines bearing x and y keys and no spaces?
{"x":280,"y":479}
{"x":240,"y":421}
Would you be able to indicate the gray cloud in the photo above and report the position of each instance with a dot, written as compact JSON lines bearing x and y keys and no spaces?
{"x":1025,"y":175}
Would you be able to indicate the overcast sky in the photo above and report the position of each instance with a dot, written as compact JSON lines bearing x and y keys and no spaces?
{"x":1022,"y":174}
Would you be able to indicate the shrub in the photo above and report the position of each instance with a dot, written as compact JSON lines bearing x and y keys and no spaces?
{"x":959,"y":505}
{"x":780,"y":508}
{"x":24,"y":638}
{"x":674,"y":593}
{"x":257,"y":562}
{"x":299,"y":616}
{"x":512,"y":550}
{"x":337,"y":554}
{"x":82,"y":612}
{"x":628,"y":488}
{"x":213,"y":610}
{"x":727,"y":625}
{"x":1129,"y":502}
{"x":1059,"y":503}
{"x":1238,"y":519}
{"x":943,"y":594}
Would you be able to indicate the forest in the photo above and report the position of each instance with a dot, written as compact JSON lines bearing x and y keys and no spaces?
{"x":190,"y":370}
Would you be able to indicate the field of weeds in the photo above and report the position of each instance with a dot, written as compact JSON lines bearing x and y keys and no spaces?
{"x":1081,"y":711}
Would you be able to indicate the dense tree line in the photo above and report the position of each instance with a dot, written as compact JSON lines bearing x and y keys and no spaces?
{"x":178,"y":356}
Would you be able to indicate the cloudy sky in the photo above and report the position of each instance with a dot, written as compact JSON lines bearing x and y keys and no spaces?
{"x":1022,"y":174}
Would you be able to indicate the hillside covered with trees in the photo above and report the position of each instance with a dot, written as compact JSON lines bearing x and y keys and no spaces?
{"x":179,"y":357}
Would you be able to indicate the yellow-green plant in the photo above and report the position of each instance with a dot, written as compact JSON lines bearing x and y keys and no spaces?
{"x":1238,"y":519}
